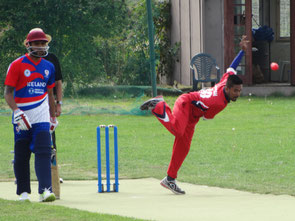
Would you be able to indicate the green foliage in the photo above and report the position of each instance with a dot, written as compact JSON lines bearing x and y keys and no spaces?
{"x":97,"y":42}
{"x":166,"y":52}
{"x":72,"y":24}
{"x":125,"y":57}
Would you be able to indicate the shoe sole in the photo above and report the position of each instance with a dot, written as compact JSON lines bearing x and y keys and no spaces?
{"x":145,"y":105}
{"x":173,"y":191}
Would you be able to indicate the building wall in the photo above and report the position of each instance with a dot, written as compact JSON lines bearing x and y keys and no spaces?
{"x":175,"y":35}
{"x":186,"y":29}
{"x":185,"y":32}
{"x":213,"y":31}
{"x":198,"y":26}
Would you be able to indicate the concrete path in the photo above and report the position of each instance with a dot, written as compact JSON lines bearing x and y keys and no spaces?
{"x":146,"y":199}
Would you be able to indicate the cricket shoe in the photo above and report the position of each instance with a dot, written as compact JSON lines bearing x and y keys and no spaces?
{"x":171,"y":185}
{"x":24,"y":197}
{"x":47,"y":196}
{"x":151,"y":103}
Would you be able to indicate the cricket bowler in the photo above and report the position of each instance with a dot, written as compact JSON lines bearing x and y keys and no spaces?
{"x":188,"y":110}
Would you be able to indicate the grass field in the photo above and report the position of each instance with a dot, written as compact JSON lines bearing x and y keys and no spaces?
{"x":25,"y":211}
{"x":249,"y":146}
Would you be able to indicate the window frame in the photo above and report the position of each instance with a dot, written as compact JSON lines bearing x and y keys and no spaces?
{"x":278,"y":23}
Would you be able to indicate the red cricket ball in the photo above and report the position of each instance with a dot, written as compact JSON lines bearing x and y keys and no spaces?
{"x":274,"y":66}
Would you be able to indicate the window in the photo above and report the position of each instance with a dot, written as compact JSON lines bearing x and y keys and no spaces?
{"x":239,"y":30}
{"x":255,"y":14}
{"x":283,"y":29}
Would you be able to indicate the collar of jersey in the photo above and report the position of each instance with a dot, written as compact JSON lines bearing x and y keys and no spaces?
{"x":225,"y":95}
{"x":31,"y":60}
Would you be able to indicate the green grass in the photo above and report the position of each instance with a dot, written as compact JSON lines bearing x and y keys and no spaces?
{"x":26,"y":211}
{"x":257,"y":155}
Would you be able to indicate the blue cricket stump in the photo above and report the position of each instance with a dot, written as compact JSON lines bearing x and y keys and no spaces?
{"x":107,"y":152}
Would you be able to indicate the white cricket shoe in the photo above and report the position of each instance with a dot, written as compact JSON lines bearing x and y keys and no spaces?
{"x":47,"y":196}
{"x":24,"y":197}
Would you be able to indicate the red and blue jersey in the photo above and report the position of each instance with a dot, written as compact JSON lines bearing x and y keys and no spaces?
{"x":30,"y":80}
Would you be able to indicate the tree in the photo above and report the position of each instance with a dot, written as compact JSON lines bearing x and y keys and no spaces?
{"x":96,"y":41}
{"x":73,"y":25}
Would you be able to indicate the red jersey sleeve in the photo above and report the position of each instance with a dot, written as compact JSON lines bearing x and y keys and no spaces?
{"x":12,"y":75}
{"x":224,"y":78}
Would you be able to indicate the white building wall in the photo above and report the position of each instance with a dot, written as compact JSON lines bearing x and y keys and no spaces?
{"x":213,"y":31}
{"x":198,"y":26}
{"x":186,"y":29}
{"x":185,"y":36}
{"x":175,"y":34}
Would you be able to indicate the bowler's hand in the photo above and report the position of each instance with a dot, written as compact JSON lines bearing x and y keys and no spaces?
{"x":244,"y":43}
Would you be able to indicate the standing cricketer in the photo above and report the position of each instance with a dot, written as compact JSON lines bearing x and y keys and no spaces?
{"x":57,"y":91}
{"x":188,"y":110}
{"x":29,"y":93}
